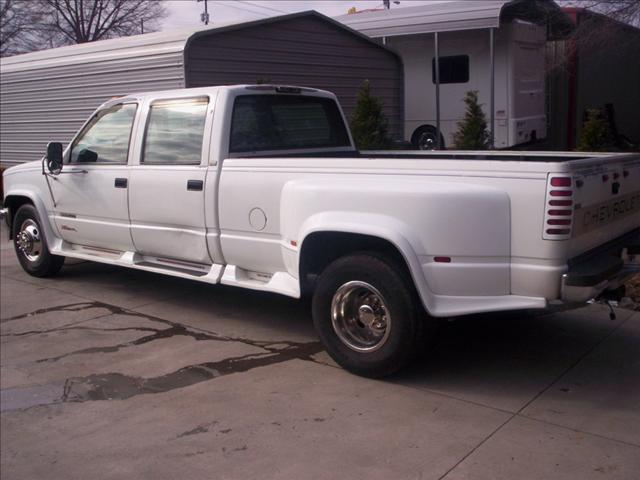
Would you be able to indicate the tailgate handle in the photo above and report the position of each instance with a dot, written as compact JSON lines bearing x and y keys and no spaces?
{"x":120,"y":183}
{"x":195,"y":185}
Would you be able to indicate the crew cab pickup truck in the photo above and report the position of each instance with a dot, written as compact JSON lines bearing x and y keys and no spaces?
{"x":261,"y":187}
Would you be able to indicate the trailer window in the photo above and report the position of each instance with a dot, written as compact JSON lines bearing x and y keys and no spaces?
{"x":453,"y":69}
{"x":174,"y":132}
{"x":286,"y":122}
{"x":106,"y":137}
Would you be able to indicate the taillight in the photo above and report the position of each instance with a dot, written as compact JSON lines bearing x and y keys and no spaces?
{"x":561,"y":181}
{"x":558,"y":208}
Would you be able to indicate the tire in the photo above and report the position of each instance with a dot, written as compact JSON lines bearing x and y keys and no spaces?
{"x":31,"y":246}
{"x":424,"y":138}
{"x":373,"y":342}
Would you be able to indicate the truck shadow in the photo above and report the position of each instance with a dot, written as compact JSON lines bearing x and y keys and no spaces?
{"x":501,"y":359}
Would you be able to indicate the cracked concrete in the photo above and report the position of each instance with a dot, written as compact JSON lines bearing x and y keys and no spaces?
{"x":108,"y":373}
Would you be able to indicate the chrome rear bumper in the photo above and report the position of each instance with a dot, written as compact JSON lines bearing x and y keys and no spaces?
{"x":583,"y":293}
{"x":596,"y":274}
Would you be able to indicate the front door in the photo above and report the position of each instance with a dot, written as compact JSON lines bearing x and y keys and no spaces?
{"x":167,"y":195}
{"x":91,"y":194}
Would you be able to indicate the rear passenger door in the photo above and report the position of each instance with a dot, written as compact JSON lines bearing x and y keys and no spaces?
{"x":166,"y":194}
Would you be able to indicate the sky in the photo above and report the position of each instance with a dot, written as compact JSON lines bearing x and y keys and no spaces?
{"x":186,"y":13}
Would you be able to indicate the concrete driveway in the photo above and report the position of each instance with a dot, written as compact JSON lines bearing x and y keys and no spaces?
{"x":111,"y":373}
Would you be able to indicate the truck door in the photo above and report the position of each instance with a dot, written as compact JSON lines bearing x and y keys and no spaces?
{"x":167,"y":195}
{"x":91,"y":195}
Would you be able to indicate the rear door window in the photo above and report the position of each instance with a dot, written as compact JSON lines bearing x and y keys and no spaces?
{"x":286,"y":122}
{"x":174,"y":134}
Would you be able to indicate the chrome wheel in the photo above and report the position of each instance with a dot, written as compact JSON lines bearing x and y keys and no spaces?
{"x":360,"y":317}
{"x":29,"y":240}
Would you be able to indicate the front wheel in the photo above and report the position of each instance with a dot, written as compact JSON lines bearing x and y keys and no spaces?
{"x":367,"y":315}
{"x":30,"y":244}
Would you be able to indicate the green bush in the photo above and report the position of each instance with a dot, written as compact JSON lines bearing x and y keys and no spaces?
{"x":369,"y":126}
{"x":472,"y":131}
{"x":596,"y":135}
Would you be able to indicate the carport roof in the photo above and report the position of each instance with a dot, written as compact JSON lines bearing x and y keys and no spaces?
{"x":149,"y":44}
{"x":456,"y":16}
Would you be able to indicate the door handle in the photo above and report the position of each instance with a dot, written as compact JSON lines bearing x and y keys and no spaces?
{"x":195,"y":185}
{"x":120,"y":183}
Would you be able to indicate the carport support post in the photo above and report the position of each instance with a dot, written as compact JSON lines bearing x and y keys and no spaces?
{"x":437,"y":74}
{"x":493,"y":87}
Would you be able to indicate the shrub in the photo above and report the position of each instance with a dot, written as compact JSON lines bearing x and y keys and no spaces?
{"x":369,"y":125}
{"x":472,"y":131}
{"x":596,"y":135}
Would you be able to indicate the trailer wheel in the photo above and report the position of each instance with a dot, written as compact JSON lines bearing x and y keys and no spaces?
{"x":424,"y":138}
{"x":31,"y":246}
{"x":367,"y":315}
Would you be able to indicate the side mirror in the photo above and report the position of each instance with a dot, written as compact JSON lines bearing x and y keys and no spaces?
{"x":54,"y":158}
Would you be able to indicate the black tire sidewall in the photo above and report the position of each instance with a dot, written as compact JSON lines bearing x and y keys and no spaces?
{"x":399,"y":300}
{"x":415,"y":138}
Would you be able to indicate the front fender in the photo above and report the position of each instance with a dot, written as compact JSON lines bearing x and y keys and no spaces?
{"x":27,"y":181}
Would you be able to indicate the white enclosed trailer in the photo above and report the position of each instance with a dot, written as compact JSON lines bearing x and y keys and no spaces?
{"x":494,"y":47}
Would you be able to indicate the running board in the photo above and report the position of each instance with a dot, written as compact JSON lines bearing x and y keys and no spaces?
{"x":203,"y":273}
{"x":279,"y":282}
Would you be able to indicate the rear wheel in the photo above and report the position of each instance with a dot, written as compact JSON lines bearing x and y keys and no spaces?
{"x":367,"y":314}
{"x":425,"y":138}
{"x":31,"y":246}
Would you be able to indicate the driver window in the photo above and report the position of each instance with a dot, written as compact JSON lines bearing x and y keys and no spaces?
{"x":106,"y":138}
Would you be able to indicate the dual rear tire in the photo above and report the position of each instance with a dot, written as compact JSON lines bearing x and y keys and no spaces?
{"x":368,"y":315}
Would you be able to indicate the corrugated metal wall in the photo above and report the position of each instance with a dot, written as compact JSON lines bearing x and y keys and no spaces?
{"x":46,"y":96}
{"x":306,"y":51}
{"x":41,"y":103}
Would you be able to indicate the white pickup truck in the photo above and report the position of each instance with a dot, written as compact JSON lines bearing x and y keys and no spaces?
{"x":262,"y":187}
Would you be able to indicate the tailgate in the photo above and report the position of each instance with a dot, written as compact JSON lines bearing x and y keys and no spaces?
{"x":593,"y":202}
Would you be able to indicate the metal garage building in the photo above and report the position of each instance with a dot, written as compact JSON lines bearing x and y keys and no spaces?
{"x":47,"y":95}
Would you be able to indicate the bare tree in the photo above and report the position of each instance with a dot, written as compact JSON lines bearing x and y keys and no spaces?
{"x":605,"y":27}
{"x":626,"y":11}
{"x":81,"y":21}
{"x":29,"y":25}
{"x":18,"y":27}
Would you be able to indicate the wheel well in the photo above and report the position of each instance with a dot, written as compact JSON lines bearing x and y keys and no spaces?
{"x":319,"y":249}
{"x":13,"y":203}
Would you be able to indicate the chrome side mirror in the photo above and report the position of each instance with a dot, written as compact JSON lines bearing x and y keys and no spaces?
{"x":54,"y":158}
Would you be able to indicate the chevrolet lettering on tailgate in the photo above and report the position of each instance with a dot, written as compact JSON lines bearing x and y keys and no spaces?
{"x":594,"y":216}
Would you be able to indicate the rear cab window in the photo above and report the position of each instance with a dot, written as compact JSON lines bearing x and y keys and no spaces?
{"x":272,"y":123}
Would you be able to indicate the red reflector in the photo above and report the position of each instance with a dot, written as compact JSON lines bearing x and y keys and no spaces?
{"x":625,"y":173}
{"x":605,"y":178}
{"x":560,"y":203}
{"x":561,"y":193}
{"x":559,"y":222}
{"x":561,"y":182}
{"x":558,"y":231}
{"x":442,"y":259}
{"x":563,"y":213}
{"x":616,"y":175}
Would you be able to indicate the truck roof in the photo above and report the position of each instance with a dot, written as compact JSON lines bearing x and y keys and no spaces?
{"x":247,"y":88}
